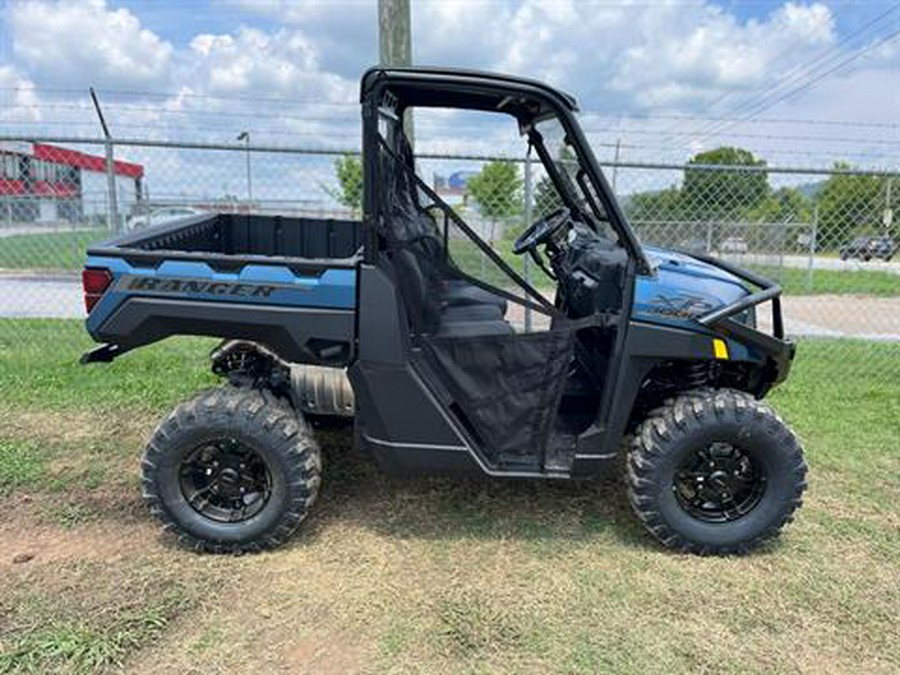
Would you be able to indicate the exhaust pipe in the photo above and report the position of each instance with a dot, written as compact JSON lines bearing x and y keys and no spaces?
{"x":314,"y":390}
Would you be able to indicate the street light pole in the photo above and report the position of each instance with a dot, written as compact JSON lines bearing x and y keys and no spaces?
{"x":245,"y":136}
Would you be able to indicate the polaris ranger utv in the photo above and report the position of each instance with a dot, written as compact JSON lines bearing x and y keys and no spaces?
{"x":390,"y":321}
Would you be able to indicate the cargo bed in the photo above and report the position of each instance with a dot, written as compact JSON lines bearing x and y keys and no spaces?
{"x":287,"y":282}
{"x":233,"y":239}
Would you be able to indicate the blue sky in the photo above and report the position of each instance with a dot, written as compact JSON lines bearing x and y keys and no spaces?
{"x":655,"y":76}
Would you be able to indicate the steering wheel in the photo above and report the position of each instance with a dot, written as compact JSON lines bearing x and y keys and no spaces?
{"x":541,"y":231}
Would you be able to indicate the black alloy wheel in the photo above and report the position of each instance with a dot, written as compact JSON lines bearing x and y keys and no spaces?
{"x":719,"y":483}
{"x":232,"y":470}
{"x":715,"y":471}
{"x":226,"y":480}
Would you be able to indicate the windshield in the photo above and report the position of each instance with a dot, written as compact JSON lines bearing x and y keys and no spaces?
{"x":571,"y":173}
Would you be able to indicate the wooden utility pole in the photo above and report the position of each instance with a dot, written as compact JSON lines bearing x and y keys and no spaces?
{"x":394,"y":33}
{"x":395,"y":41}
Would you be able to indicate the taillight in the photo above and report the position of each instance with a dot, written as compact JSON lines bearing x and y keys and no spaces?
{"x":94,"y":281}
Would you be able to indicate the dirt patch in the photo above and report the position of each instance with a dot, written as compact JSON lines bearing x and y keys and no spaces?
{"x":26,"y":534}
{"x":326,"y":654}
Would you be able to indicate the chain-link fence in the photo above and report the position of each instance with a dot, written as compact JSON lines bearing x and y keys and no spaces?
{"x":827,"y":236}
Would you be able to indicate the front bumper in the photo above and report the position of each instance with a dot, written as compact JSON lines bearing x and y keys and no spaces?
{"x":779,"y":349}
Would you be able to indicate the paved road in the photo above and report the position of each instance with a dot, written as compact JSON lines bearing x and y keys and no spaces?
{"x":819,"y":262}
{"x":40,"y":297}
{"x":855,"y":316}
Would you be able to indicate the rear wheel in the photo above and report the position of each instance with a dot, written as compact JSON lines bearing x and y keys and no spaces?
{"x":715,"y":472}
{"x":232,"y":470}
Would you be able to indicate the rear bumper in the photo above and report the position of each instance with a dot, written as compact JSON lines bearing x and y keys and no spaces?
{"x":779,"y":349}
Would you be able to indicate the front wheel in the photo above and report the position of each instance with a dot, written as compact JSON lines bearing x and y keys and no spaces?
{"x":232,"y":470}
{"x":715,"y":472}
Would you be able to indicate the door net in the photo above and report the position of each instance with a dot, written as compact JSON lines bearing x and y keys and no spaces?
{"x":466,"y":306}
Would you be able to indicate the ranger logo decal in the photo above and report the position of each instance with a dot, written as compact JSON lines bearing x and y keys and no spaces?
{"x":681,"y":305}
{"x":138,"y":284}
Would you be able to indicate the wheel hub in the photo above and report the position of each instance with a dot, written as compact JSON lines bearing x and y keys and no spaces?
{"x":719,"y":483}
{"x":226,"y":481}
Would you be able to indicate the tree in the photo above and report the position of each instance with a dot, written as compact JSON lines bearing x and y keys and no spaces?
{"x":546,"y":198}
{"x":660,"y":205}
{"x":784,"y":205}
{"x":348,"y":171}
{"x":656,"y":215}
{"x":497,"y":189}
{"x":711,"y":194}
{"x":849,"y":205}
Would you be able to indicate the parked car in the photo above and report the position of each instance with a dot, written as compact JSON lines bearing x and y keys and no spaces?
{"x":159,"y":216}
{"x":692,"y":246}
{"x":868,"y":247}
{"x":733,"y":245}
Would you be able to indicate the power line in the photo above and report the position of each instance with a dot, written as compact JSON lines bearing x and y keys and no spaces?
{"x":127,"y":108}
{"x":754,"y":120}
{"x":184,"y":94}
{"x":457,"y":127}
{"x":798,"y":73}
{"x":636,"y":117}
{"x":775,"y":137}
{"x":803,"y":81}
{"x":831,"y":71}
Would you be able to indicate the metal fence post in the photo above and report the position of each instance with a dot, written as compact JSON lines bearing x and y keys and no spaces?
{"x":112,"y":200}
{"x":526,"y":260}
{"x":112,"y":212}
{"x":810,"y":264}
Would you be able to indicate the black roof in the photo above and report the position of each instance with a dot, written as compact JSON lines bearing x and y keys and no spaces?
{"x":430,"y":85}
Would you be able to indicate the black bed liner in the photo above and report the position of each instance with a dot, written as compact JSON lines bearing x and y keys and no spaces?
{"x":226,"y":239}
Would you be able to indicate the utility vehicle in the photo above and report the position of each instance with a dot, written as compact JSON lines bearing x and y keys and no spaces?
{"x":390,"y":321}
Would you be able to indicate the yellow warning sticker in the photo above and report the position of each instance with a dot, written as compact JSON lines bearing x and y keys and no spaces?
{"x":720,"y":348}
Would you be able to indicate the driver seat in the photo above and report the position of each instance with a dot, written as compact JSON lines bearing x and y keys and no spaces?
{"x":428,"y":310}
{"x":436,"y":302}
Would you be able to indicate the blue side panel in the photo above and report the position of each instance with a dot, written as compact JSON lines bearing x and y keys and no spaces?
{"x":683,"y":288}
{"x":333,"y":289}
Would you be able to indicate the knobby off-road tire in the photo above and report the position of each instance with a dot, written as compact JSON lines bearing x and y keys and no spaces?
{"x":284,"y":457}
{"x":669,"y":440}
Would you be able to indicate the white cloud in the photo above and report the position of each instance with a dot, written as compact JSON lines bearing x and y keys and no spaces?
{"x":345,"y":32}
{"x":281,"y":63}
{"x":630,"y":55}
{"x":623,"y":61}
{"x":79,"y":43}
{"x":20,"y":99}
{"x":681,"y":57}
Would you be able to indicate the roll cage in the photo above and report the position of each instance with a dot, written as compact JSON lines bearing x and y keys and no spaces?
{"x":526,"y":100}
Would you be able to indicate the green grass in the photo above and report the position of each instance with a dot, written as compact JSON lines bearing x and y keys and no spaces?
{"x":77,"y":648}
{"x":39,"y":368}
{"x":472,"y":260}
{"x":22,"y":465}
{"x":71,"y":633}
{"x":796,"y":281}
{"x":431,"y":575}
{"x":50,"y":251}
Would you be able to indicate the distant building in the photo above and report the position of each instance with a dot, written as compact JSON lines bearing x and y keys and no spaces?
{"x":453,"y":188}
{"x":43,"y":183}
